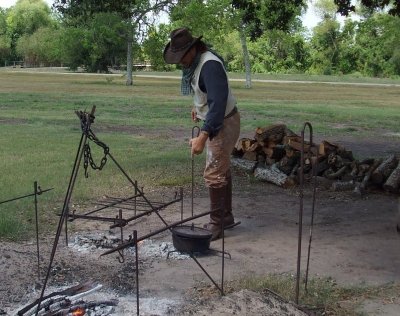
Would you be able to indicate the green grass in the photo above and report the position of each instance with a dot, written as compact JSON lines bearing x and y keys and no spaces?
{"x":324,"y":296}
{"x":147,"y":127}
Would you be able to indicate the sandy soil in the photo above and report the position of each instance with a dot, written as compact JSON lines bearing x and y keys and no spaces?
{"x":354,"y":241}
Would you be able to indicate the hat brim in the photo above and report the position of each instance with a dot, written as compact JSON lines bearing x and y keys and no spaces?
{"x":171,"y":57}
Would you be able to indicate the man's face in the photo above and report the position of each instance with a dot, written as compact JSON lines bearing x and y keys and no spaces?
{"x":187,"y":59}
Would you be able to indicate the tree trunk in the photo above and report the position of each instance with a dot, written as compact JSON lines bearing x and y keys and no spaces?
{"x":129,"y":81}
{"x":246,"y":58}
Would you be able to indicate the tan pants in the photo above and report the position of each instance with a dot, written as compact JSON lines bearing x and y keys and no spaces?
{"x":219,"y":151}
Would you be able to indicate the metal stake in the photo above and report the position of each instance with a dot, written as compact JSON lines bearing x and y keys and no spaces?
{"x":137,"y":271}
{"x":195,"y":133}
{"x":35,"y":190}
{"x":306,"y":124}
{"x":312,"y":220}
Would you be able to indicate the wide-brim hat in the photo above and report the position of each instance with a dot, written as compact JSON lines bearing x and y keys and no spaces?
{"x":181,"y":41}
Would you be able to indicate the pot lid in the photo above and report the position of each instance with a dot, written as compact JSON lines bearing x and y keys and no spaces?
{"x":192,"y":232}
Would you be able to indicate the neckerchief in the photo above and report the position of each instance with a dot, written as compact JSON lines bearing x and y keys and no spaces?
{"x":187,"y":73}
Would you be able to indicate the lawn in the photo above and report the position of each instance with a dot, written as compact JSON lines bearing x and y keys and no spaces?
{"x":147,"y":127}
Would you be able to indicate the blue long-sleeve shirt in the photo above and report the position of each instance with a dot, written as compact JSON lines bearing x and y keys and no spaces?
{"x":214,"y":82}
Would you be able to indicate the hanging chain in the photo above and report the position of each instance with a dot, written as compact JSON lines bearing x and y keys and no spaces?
{"x":86,"y":120}
{"x":88,"y":157}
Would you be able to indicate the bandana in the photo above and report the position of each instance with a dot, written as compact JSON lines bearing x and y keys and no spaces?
{"x":187,"y":73}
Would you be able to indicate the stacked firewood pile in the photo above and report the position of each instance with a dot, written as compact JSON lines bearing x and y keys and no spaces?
{"x":273,"y":155}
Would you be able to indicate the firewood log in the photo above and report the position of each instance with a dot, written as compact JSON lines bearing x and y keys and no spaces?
{"x":363,"y":169}
{"x":244,"y":144}
{"x":237,"y":153}
{"x":289,"y":151}
{"x":254,"y":147}
{"x":320,"y":166}
{"x":383,"y":171}
{"x":286,"y":164}
{"x":345,"y":154}
{"x":289,"y":132}
{"x":343,"y":185}
{"x":297,"y":145}
{"x":330,"y":174}
{"x":326,"y":148}
{"x":269,"y":161}
{"x":291,"y":138}
{"x":335,"y":161}
{"x":273,"y":175}
{"x":250,"y":155}
{"x":392,"y":183}
{"x":364,"y":183}
{"x":276,"y":152}
{"x":272,"y":133}
{"x":244,"y":164}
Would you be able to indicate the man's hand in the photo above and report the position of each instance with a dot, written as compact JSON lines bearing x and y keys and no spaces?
{"x":198,"y":143}
{"x":194,"y":116}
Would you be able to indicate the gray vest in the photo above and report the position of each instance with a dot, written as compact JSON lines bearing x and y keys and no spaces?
{"x":200,"y":98}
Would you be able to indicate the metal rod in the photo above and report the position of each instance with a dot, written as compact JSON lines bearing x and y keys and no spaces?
{"x":135,"y":239}
{"x":25,"y":196}
{"x":97,"y":218}
{"x":66,"y":226}
{"x":122,"y":233}
{"x":181,"y":197}
{"x":312,"y":222}
{"x":223,"y":249}
{"x":71,"y":184}
{"x":192,"y":195}
{"x":154,"y":209}
{"x":207,"y":274}
{"x":135,"y":195}
{"x":112,"y":204}
{"x":140,"y":192}
{"x":195,"y":133}
{"x":108,"y":206}
{"x":35,"y":190}
{"x":301,"y":209}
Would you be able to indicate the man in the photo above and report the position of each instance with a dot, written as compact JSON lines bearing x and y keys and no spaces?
{"x":205,"y":77}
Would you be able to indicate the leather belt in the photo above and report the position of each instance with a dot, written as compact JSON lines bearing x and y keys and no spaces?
{"x":233,"y":112}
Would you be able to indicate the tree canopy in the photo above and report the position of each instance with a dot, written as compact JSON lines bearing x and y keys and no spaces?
{"x":345,"y":6}
{"x":252,"y":36}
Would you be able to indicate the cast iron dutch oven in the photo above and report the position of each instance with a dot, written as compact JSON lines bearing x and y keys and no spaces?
{"x":191,"y":238}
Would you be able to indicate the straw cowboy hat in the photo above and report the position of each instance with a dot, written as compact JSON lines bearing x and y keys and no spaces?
{"x":181,"y":42}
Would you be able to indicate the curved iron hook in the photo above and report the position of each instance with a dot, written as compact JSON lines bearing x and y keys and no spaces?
{"x":195,"y":131}
{"x":301,"y":194}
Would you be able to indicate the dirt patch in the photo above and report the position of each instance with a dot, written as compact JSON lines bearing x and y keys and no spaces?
{"x":174,"y":133}
{"x":13,"y":121}
{"x":354,"y":241}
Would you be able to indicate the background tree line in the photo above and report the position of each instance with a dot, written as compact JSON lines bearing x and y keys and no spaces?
{"x":252,"y":36}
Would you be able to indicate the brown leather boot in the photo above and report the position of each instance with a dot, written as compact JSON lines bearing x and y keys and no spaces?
{"x":221,"y":205}
{"x":217,"y":197}
{"x":228,"y":216}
